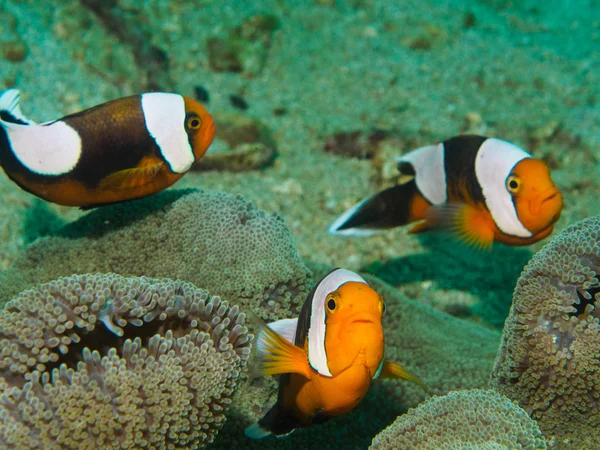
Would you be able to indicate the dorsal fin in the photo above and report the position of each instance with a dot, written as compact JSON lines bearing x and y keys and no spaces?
{"x":10,"y":111}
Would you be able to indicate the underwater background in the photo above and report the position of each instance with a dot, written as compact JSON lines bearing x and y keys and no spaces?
{"x":312,"y":100}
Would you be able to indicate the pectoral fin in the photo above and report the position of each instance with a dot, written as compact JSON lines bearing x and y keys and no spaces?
{"x":275,"y":354}
{"x":393,"y":370}
{"x":131,"y":178}
{"x":473,"y":226}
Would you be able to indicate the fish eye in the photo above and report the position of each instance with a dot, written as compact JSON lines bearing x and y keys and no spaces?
{"x":331,"y":304}
{"x":513,"y":184}
{"x":193,"y":122}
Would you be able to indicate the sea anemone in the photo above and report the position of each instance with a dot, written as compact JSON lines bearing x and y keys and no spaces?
{"x":469,"y":419}
{"x":102,"y":361}
{"x":549,"y":359}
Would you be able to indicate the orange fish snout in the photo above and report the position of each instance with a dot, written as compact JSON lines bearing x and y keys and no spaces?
{"x":364,"y":333}
{"x":542,"y":210}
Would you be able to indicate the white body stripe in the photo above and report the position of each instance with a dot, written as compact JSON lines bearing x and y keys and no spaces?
{"x":493,"y":164}
{"x":165,"y":119}
{"x":317,"y":356}
{"x":52,"y":149}
{"x":430,"y":174}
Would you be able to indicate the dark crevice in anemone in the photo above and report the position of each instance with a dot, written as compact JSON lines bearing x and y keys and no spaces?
{"x":102,"y":339}
{"x":586,"y":297}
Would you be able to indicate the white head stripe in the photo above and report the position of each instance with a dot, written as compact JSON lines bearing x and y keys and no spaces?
{"x":45,"y":149}
{"x":430,"y":174}
{"x":317,"y":356}
{"x":165,"y":119}
{"x":494,"y":162}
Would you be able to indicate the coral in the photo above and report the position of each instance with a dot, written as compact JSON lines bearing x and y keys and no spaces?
{"x":102,"y":361}
{"x":549,"y":360}
{"x":211,"y":239}
{"x":470,"y":419}
{"x":445,"y":352}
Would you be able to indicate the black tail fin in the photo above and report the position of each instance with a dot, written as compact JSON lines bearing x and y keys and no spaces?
{"x":278,"y":421}
{"x":386,"y":209}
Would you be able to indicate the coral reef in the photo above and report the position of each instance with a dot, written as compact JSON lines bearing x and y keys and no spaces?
{"x":445,"y":352}
{"x":212,"y":239}
{"x":102,"y":361}
{"x":549,"y":360}
{"x":470,"y":419}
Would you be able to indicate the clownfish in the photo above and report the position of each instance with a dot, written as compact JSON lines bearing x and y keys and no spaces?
{"x":481,"y":189}
{"x":127,"y":148}
{"x":327,"y":357}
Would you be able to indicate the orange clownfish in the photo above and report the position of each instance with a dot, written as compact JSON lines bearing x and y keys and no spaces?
{"x":482,"y":189}
{"x":124,"y":149}
{"x":327,"y":357}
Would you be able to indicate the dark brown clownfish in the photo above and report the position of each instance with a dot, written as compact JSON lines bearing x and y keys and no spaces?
{"x":127,"y":148}
{"x":481,"y":189}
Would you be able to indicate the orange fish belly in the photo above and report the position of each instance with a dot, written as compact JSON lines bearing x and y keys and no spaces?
{"x":330,"y":396}
{"x":68,"y":192}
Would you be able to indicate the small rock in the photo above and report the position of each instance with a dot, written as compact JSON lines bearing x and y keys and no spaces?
{"x":14,"y":50}
{"x":425,"y":37}
{"x":236,"y":128}
{"x":469,"y":20}
{"x":544,"y":132}
{"x":201,"y":94}
{"x":355,"y":144}
{"x":280,"y":111}
{"x":245,"y":47}
{"x":223,"y":55}
{"x":242,"y":158}
{"x":385,"y":164}
{"x":237,"y":101}
{"x":474,"y":124}
{"x":289,"y":187}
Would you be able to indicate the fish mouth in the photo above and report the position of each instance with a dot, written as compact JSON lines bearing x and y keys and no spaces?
{"x":551,"y":197}
{"x":554,"y":194}
{"x":363,"y":320}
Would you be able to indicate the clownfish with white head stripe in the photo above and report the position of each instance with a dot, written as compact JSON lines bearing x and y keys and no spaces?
{"x":482,"y":189}
{"x":327,"y":357}
{"x":121,"y":150}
